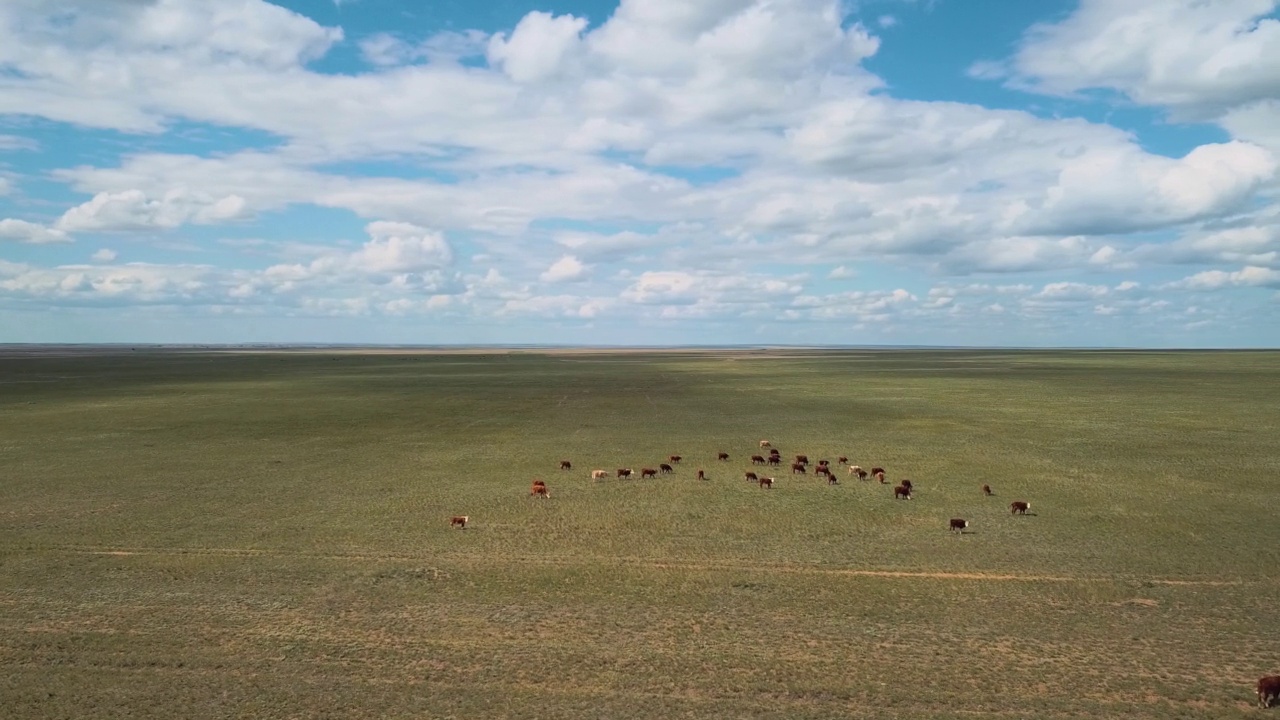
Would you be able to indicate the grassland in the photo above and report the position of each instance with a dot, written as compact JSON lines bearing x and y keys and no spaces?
{"x":208,"y":535}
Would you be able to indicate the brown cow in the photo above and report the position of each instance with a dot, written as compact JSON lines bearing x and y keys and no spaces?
{"x":1268,"y":690}
{"x":766,"y":482}
{"x":907,"y":484}
{"x":752,"y":476}
{"x":877,"y":470}
{"x":802,"y":459}
{"x":903,"y":492}
{"x":566,"y":465}
{"x":702,"y":475}
{"x":599,"y":474}
{"x":774,"y":460}
{"x":540,"y":489}
{"x":822,"y":470}
{"x":855,"y":470}
{"x":624,"y":472}
{"x":774,"y":452}
{"x":459,"y":521}
{"x":831,"y":479}
{"x":842,"y":460}
{"x":1018,"y":507}
{"x":797,"y":468}
{"x":764,"y":443}
{"x":757,"y":459}
{"x":674,"y":458}
{"x":958,"y":525}
{"x":986,"y":490}
{"x":880,"y":477}
{"x":648,"y":473}
{"x":665,"y":468}
{"x":824,"y":463}
{"x":722,"y":456}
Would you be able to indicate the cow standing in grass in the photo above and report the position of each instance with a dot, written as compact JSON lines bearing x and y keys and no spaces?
{"x":722,"y":456}
{"x":757,"y":459}
{"x":1268,"y":690}
{"x":766,"y":482}
{"x":566,"y":465}
{"x":797,"y":468}
{"x":599,"y":474}
{"x":648,"y":473}
{"x":764,"y":443}
{"x":902,"y":492}
{"x":459,"y":521}
{"x":986,"y":491}
{"x":958,"y":525}
{"x":624,"y":472}
{"x":665,"y":468}
{"x":1018,"y":507}
{"x":855,"y":470}
{"x":752,"y":477}
{"x":702,"y":475}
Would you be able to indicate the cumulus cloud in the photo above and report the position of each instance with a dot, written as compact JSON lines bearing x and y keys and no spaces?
{"x":133,"y":210}
{"x":1218,"y":279}
{"x":105,"y":255}
{"x":29,"y":232}
{"x":566,"y":269}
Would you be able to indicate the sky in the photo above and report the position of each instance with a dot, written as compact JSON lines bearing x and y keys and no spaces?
{"x":645,"y":172}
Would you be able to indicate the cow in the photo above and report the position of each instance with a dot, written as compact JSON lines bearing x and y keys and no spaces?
{"x":674,"y":458}
{"x":831,"y":479}
{"x":855,"y":470}
{"x":824,"y":463}
{"x":903,"y":492}
{"x":877,"y":471}
{"x":958,"y":525}
{"x":764,"y":443}
{"x":880,"y":477}
{"x":774,"y":452}
{"x":986,"y":490}
{"x":1018,"y":507}
{"x":842,"y":460}
{"x":566,"y":465}
{"x":907,"y":484}
{"x":797,"y":468}
{"x":459,"y":521}
{"x":757,"y":459}
{"x":599,"y":474}
{"x":766,"y":482}
{"x":624,"y":472}
{"x":648,"y":473}
{"x":823,"y":470}
{"x":722,"y":456}
{"x":539,"y":489}
{"x":665,"y":468}
{"x":752,"y":477}
{"x":802,"y":459}
{"x":702,"y":475}
{"x":775,"y":460}
{"x":1268,"y":690}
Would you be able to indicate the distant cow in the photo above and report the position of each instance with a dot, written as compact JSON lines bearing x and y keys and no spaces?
{"x":764,"y":443}
{"x":766,"y":482}
{"x":880,"y":477}
{"x":674,"y":458}
{"x":752,"y":476}
{"x":665,"y":468}
{"x":624,"y":472}
{"x":459,"y":521}
{"x":802,"y":459}
{"x":566,"y":465}
{"x":797,"y":468}
{"x":907,"y":484}
{"x":539,"y":489}
{"x":831,"y":479}
{"x":774,"y":460}
{"x":842,"y":460}
{"x":902,"y":492}
{"x":824,"y":463}
{"x":702,"y":475}
{"x":822,"y":470}
{"x":877,"y":471}
{"x":1018,"y":507}
{"x":959,"y":524}
{"x":599,"y":474}
{"x":1268,"y":690}
{"x":648,"y":473}
{"x":855,"y":470}
{"x":722,"y":456}
{"x":986,"y":490}
{"x":757,"y":459}
{"x":774,"y":452}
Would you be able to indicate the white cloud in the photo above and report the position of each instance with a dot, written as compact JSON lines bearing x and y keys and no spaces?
{"x":29,"y":232}
{"x":104,"y":255}
{"x":841,"y":273}
{"x":539,"y":46}
{"x":566,"y":269}
{"x":133,"y":210}
{"x":1217,"y":279}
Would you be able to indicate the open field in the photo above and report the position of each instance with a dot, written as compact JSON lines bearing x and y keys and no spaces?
{"x":210,"y":535}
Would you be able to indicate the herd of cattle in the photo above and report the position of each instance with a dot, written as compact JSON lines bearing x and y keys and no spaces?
{"x":1268,"y":687}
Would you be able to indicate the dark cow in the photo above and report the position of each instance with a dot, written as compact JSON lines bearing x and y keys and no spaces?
{"x":902,"y":492}
{"x":842,"y":460}
{"x":566,"y":465}
{"x":624,"y":472}
{"x":774,"y":451}
{"x":907,"y":484}
{"x":459,"y":521}
{"x":702,"y":475}
{"x":986,"y":490}
{"x":752,"y":476}
{"x":824,"y":463}
{"x":674,"y":458}
{"x":877,"y":471}
{"x":822,"y":470}
{"x":648,"y":473}
{"x":766,"y":482}
{"x":880,"y":477}
{"x":774,"y":460}
{"x":1018,"y":507}
{"x":665,"y":468}
{"x":722,"y":456}
{"x":1268,"y":690}
{"x":797,"y":468}
{"x":802,"y":459}
{"x":855,"y":470}
{"x":958,"y":525}
{"x":757,"y":459}
{"x":831,"y":479}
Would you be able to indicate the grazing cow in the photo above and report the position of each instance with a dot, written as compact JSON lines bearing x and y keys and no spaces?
{"x":880,"y":477}
{"x":665,"y":468}
{"x":752,"y":476}
{"x":766,"y":482}
{"x":902,"y":492}
{"x":764,"y":443}
{"x":648,"y":473}
{"x":539,"y":489}
{"x":722,"y":456}
{"x":797,"y":468}
{"x":824,"y":463}
{"x":855,"y":470}
{"x":831,"y":479}
{"x":906,"y":484}
{"x":842,"y":460}
{"x":624,"y":472}
{"x":986,"y":490}
{"x":566,"y":465}
{"x":1018,"y":507}
{"x":958,"y":525}
{"x":702,"y":475}
{"x":599,"y":474}
{"x":822,"y":470}
{"x":459,"y":521}
{"x":757,"y":459}
{"x":877,"y":471}
{"x":1268,"y":690}
{"x":802,"y":459}
{"x":674,"y":458}
{"x":775,"y":460}
{"x":774,"y":452}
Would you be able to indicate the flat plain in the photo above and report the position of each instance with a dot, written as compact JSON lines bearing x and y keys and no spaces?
{"x":216,"y":535}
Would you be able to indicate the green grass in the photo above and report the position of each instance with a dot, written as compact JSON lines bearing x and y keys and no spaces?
{"x":266,"y":535}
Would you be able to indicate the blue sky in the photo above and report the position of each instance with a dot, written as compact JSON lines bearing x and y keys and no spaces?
{"x":946,"y":172}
